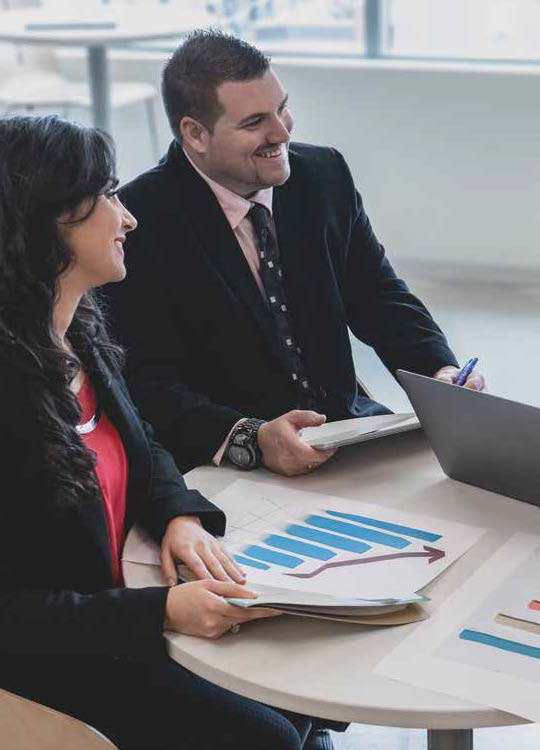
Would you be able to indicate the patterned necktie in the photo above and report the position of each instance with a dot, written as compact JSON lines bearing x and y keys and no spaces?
{"x":271,"y":277}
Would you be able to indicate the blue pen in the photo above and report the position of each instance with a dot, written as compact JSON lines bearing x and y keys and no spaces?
{"x":466,"y":370}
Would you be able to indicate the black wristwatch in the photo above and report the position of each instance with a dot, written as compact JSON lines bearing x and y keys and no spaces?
{"x":243,"y":449}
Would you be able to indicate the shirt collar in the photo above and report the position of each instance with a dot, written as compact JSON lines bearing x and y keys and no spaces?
{"x":234,"y":206}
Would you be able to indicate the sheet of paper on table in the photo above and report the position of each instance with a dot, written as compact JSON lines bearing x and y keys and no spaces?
{"x":483,"y":644}
{"x":349,"y":431}
{"x":323,"y":545}
{"x":333,"y":607}
{"x":304,"y":550}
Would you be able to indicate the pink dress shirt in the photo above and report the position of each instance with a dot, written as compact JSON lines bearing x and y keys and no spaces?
{"x":236,"y":209}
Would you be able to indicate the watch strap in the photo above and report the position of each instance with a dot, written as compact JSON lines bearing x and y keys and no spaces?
{"x":244,"y":435}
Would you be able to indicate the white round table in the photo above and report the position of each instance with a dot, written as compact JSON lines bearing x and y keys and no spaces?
{"x":325,"y":669}
{"x":129,"y":23}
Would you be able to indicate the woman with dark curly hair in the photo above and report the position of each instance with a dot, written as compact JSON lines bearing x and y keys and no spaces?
{"x":79,"y":468}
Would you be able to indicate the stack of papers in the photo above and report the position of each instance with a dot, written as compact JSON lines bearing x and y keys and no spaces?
{"x":391,"y":611}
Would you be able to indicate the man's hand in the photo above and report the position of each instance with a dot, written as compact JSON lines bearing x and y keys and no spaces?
{"x":449,"y":374}
{"x":186,"y":541}
{"x":283,"y":451}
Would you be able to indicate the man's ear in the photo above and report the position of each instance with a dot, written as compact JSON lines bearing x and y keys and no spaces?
{"x":194,"y":134}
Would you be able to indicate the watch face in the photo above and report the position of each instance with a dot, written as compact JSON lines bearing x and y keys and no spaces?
{"x":241,"y":455}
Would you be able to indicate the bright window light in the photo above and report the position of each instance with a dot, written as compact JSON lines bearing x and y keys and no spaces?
{"x":462,"y":29}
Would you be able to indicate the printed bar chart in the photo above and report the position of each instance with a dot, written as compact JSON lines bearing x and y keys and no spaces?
{"x":327,"y":531}
{"x":503,"y":644}
{"x":334,"y":540}
{"x":332,"y":546}
{"x":426,"y":536}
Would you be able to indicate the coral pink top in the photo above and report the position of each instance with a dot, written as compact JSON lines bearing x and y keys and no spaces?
{"x":111,"y":471}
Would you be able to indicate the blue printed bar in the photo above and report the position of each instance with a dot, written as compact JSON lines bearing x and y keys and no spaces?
{"x":301,"y":548}
{"x":501,"y":643}
{"x":332,"y":540}
{"x":359,"y":532}
{"x":427,"y":536}
{"x":251,"y":563}
{"x":276,"y":558}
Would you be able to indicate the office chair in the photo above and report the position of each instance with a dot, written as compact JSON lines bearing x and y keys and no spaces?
{"x":25,"y":724}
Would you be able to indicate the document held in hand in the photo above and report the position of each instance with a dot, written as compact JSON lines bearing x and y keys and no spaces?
{"x":349,"y":431}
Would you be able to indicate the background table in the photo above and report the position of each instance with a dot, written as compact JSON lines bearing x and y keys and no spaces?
{"x":325,"y":669}
{"x":132,"y":24}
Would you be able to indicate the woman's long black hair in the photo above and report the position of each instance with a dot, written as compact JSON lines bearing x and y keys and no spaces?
{"x":49,"y":166}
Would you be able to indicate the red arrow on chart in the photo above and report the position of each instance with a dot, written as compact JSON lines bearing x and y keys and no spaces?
{"x":431,"y":553}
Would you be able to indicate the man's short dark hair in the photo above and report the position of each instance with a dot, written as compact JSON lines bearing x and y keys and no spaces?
{"x":199,"y":65}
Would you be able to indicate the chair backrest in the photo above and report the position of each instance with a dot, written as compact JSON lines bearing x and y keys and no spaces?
{"x":25,"y":724}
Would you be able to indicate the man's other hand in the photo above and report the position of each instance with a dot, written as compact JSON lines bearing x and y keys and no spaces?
{"x":284,"y":451}
{"x":449,"y":374}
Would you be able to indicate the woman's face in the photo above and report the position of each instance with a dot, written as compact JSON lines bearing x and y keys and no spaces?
{"x":97,"y":241}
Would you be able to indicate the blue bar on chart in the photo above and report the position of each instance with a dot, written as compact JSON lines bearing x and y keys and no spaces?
{"x":251,"y":563}
{"x":270,"y":556}
{"x":301,"y":548}
{"x":331,"y":540}
{"x":359,"y":532}
{"x":501,"y":643}
{"x":427,"y":536}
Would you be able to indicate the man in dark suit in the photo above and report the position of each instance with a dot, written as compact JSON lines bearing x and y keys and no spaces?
{"x":252,"y":259}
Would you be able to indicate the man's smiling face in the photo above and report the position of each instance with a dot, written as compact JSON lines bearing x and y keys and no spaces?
{"x":248,"y":148}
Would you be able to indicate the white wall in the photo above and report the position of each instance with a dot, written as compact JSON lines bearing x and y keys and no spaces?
{"x":446,"y":157}
{"x":448,"y":162}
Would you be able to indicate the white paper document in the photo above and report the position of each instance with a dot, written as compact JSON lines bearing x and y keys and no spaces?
{"x":349,"y":431}
{"x":483,"y":644}
{"x":327,"y":545}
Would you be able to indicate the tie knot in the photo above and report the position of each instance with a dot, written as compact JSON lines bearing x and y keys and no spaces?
{"x":259,"y":216}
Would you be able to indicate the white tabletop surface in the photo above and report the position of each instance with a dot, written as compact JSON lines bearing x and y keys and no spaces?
{"x":325,"y":668}
{"x":132,"y":23}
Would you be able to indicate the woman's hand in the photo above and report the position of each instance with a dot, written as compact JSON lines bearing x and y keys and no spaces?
{"x":198,"y":608}
{"x":186,"y":541}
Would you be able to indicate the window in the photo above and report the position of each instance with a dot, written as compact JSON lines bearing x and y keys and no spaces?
{"x":295,"y":26}
{"x":462,"y":29}
{"x":439,"y":29}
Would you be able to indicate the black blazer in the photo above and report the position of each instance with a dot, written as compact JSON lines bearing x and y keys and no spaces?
{"x":57,"y":597}
{"x":202,"y":349}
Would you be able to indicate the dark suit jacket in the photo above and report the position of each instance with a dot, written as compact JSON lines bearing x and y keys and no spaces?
{"x":202,"y":348}
{"x":57,"y":596}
